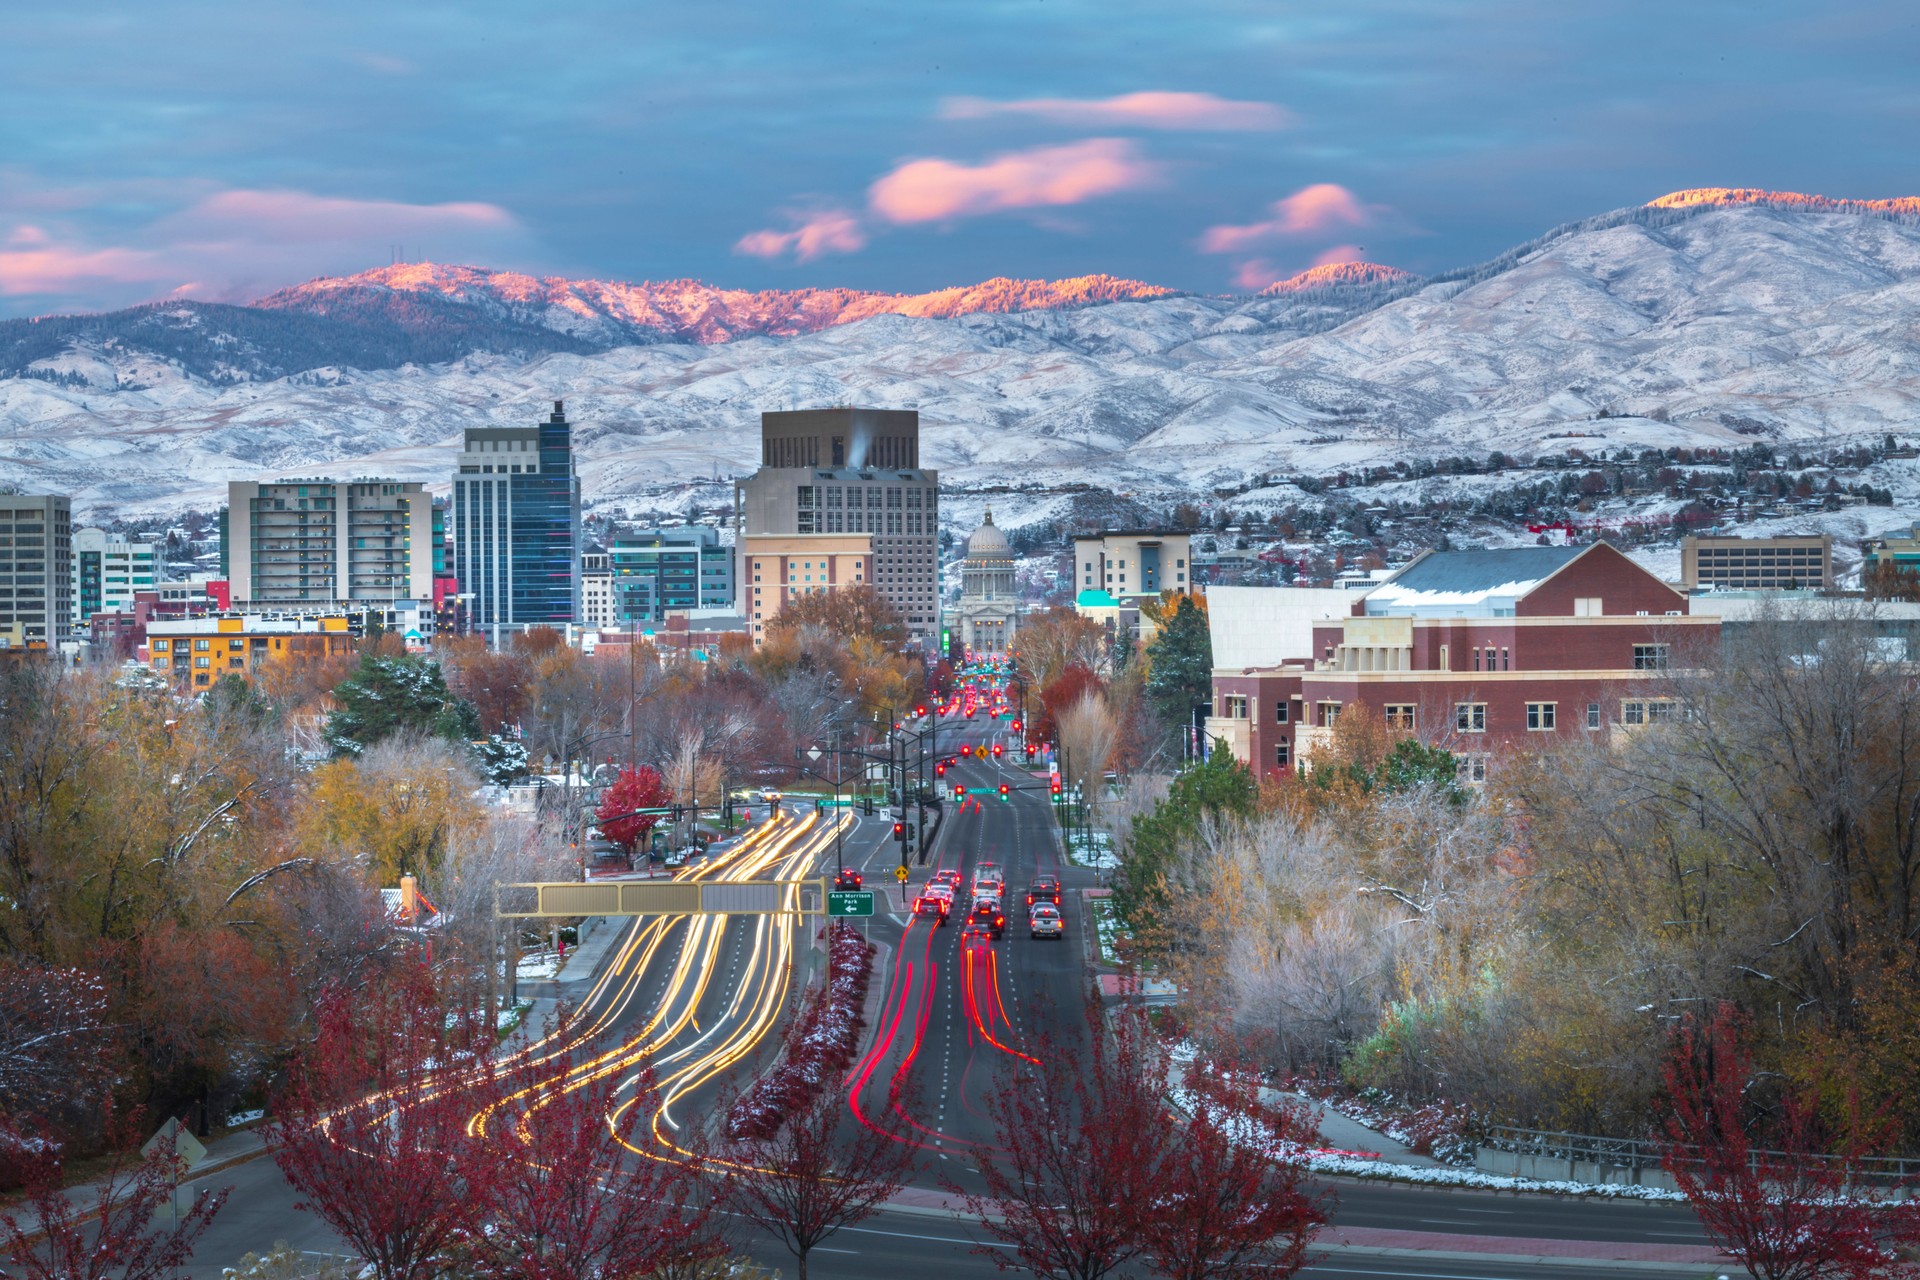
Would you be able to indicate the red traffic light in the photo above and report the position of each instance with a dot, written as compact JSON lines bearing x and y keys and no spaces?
{"x":899,"y":831}
{"x":996,"y":749}
{"x":919,"y":711}
{"x":1016,"y":726}
{"x":1031,"y":748}
{"x":959,"y":793}
{"x":1054,"y":785}
{"x":939,"y":770}
{"x":1004,"y":788}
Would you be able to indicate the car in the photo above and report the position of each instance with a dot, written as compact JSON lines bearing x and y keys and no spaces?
{"x":934,"y":890}
{"x":976,"y":935}
{"x":933,"y":908}
{"x":1044,"y":922}
{"x":987,"y":871}
{"x":994,"y":888}
{"x":848,"y":878}
{"x":987,"y":912}
{"x":949,"y":876}
{"x":1045,"y":888}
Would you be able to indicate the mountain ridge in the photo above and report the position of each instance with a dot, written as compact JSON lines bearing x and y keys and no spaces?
{"x":1716,"y":322}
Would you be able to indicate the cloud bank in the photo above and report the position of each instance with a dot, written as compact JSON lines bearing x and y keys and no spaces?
{"x":1145,"y":110}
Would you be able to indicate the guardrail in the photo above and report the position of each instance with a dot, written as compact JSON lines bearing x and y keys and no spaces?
{"x":1587,"y":1158}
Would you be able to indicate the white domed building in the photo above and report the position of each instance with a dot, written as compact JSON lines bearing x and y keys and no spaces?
{"x":989,"y":601}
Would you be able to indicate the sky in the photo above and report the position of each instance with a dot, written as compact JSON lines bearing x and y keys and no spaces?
{"x":222,"y":150}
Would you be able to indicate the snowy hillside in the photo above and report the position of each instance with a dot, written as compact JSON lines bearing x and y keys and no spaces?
{"x":1708,"y":320}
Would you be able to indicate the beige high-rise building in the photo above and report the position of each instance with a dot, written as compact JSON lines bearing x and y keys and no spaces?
{"x":775,"y":570}
{"x":850,"y":472}
{"x":36,"y":573}
{"x":1802,"y":562}
{"x":367,"y":540}
{"x":1129,"y":564}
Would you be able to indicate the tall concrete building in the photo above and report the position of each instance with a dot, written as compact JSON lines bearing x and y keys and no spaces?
{"x":1134,"y":563}
{"x":516,"y":524}
{"x":1788,"y":562}
{"x":849,"y":473}
{"x":365,"y":541}
{"x":107,"y":570}
{"x":36,"y":573}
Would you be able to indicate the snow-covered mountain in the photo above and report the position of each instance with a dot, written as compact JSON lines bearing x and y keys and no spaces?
{"x":1703,"y":318}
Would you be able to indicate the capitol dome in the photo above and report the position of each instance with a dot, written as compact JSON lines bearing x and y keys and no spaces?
{"x":988,"y":543}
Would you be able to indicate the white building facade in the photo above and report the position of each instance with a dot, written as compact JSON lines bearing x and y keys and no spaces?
{"x":989,"y":596}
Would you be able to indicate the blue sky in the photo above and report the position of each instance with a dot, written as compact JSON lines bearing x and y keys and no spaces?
{"x":221,"y":150}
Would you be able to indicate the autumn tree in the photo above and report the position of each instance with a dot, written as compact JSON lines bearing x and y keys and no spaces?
{"x":638,"y":788}
{"x":111,"y":1232}
{"x":1079,"y":1135}
{"x":494,"y":681}
{"x":1051,"y":640}
{"x":1804,"y":1209}
{"x":1217,"y":788}
{"x":816,"y":1173}
{"x":1231,"y":1200}
{"x":55,"y":1039}
{"x":846,"y":613}
{"x":1074,"y":682}
{"x":568,"y":1201}
{"x":398,"y":803}
{"x":371,"y":1128}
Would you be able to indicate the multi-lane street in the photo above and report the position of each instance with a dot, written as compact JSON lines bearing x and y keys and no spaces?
{"x":703,"y":998}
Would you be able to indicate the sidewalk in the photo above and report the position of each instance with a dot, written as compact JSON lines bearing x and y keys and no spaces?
{"x":1346,"y":1134}
{"x":604,"y":935}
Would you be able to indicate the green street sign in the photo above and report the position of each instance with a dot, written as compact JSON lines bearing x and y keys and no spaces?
{"x":850,"y":902}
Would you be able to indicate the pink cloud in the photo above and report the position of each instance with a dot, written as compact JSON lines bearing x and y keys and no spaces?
{"x":232,"y":244}
{"x":1308,"y":210}
{"x":1339,"y":253}
{"x":831,"y":231}
{"x":932,"y":190}
{"x":47,"y":268}
{"x":302,"y":215}
{"x":1146,"y":110}
{"x":1256,"y":274}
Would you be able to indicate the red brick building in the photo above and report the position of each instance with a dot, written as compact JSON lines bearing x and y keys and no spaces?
{"x":1478,"y":651}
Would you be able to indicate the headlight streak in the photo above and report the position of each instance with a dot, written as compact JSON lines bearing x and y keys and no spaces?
{"x":786,"y":846}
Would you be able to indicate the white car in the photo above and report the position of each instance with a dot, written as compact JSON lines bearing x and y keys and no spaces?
{"x":938,"y":891}
{"x":1044,"y":921}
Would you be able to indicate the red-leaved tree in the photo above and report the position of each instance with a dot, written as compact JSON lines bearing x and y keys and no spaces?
{"x":569,"y":1199}
{"x":1075,"y":681}
{"x":1230,"y":1200}
{"x":818,"y":1171}
{"x":110,"y":1232}
{"x":1798,"y":1208}
{"x":371,"y":1128}
{"x":641,"y":788}
{"x":1081,"y":1131}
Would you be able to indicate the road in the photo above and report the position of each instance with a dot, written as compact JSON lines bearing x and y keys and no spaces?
{"x":704,"y":998}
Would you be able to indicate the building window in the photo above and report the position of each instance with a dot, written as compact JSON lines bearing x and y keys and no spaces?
{"x":1280,"y":711}
{"x":1649,"y":657}
{"x":1473,"y":770}
{"x":1586,"y":607}
{"x":1593,"y":715}
{"x":1540,"y":716}
{"x":1648,"y":711}
{"x":1400,"y":715}
{"x":1282,"y":753}
{"x":1329,"y":713}
{"x":1234,"y":706}
{"x":1470,"y":717}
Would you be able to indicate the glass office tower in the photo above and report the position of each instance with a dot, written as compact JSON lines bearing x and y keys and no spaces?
{"x":516,"y":524}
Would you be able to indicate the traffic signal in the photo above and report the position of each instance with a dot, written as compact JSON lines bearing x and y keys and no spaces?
{"x":959,"y":793}
{"x":1031,"y":748}
{"x":1004,"y":788}
{"x":900,"y":831}
{"x":996,"y":750}
{"x":919,"y":711}
{"x":1016,"y":726}
{"x":940,"y":770}
{"x":1053,"y":784}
